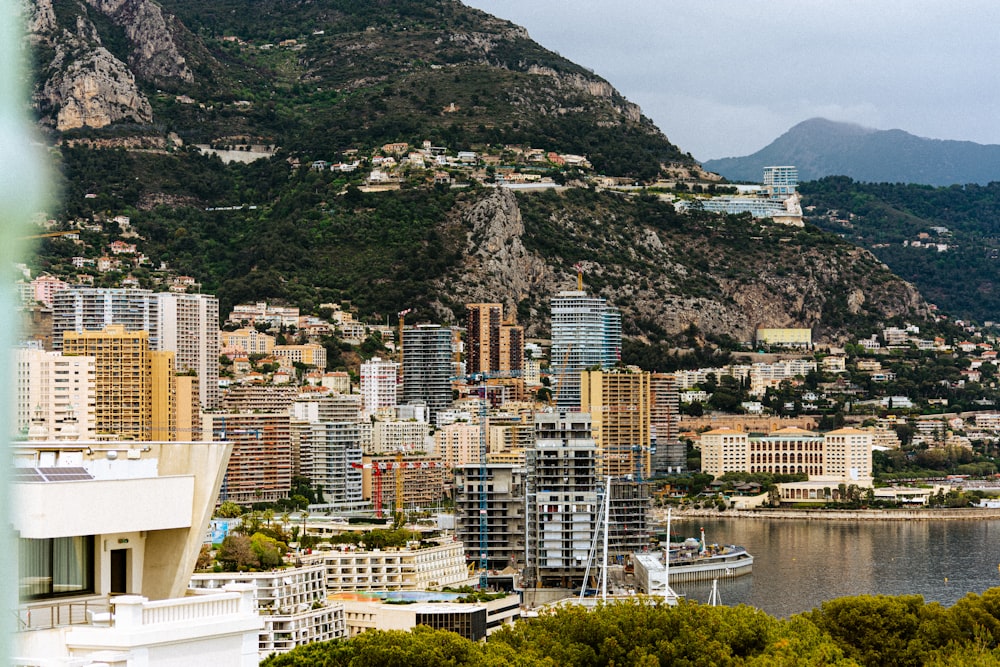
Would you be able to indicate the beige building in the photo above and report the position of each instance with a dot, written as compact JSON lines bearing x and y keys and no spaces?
{"x":246,"y":341}
{"x":135,"y":394}
{"x":619,"y":404}
{"x":785,"y":337}
{"x":837,"y":456}
{"x":309,"y":354}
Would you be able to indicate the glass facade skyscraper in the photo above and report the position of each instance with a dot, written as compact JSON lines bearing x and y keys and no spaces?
{"x":586,"y":333}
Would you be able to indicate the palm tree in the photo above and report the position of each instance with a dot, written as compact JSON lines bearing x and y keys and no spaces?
{"x":268,"y":516}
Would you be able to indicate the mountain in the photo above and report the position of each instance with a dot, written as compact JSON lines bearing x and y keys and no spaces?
{"x":820,"y":147}
{"x":319,"y":78}
{"x":125,"y":88}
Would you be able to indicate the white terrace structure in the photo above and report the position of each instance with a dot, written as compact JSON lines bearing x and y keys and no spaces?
{"x":108,"y":535}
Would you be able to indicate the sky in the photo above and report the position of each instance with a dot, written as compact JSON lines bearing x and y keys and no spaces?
{"x":725,"y":78}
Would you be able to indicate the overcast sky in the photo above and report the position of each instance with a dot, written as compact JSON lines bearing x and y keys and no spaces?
{"x":726,"y":77}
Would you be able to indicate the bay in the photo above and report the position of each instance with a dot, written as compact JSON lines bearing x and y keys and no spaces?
{"x":800,"y":563}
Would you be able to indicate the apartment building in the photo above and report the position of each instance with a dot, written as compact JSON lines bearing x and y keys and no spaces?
{"x":412,"y":568}
{"x":292,"y":602}
{"x":260,"y":468}
{"x":81,"y":309}
{"x":562,"y":499}
{"x":390,"y":436}
{"x":427,"y":367}
{"x":259,"y":398}
{"x":132,"y":383}
{"x":618,"y":402}
{"x":499,"y":489}
{"x":334,"y":449}
{"x":670,"y":454}
{"x":586,"y":333}
{"x":492,"y":345}
{"x":56,"y":392}
{"x":189,"y":327}
{"x":379,"y":380}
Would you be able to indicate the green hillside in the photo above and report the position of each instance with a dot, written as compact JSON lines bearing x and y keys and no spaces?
{"x":945,"y":240}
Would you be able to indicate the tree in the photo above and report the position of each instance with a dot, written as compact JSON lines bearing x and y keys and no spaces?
{"x":229,"y":510}
{"x":236,"y":554}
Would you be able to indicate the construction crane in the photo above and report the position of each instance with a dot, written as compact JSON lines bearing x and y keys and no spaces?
{"x":579,"y":276}
{"x":379,"y":468}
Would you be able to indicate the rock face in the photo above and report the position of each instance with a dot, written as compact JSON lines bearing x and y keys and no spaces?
{"x":84,"y":84}
{"x":154,"y":54}
{"x":94,"y":90}
{"x":668,"y":281}
{"x":494,"y":250}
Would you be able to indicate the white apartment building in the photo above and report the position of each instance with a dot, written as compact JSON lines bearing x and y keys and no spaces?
{"x":389,"y":437}
{"x":189,"y":327}
{"x":56,"y":392}
{"x":292,"y":602}
{"x":379,"y":379}
{"x":413,"y":568}
{"x":263,"y":313}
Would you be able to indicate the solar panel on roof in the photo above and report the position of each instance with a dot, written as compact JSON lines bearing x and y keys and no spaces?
{"x":65,"y":474}
{"x":27,"y":475}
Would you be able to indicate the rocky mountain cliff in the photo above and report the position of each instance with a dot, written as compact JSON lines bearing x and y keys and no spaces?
{"x":81,"y":83}
{"x":665,"y":272}
{"x":820,"y":147}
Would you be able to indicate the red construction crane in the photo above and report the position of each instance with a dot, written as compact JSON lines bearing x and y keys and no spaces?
{"x":378,"y":468}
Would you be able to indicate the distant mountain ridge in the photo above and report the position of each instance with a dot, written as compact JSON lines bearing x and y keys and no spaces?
{"x":821,"y":147}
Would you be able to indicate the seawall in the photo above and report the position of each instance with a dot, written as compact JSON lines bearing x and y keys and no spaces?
{"x":659,"y":515}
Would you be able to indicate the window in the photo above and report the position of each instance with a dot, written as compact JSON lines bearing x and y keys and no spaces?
{"x":56,"y":567}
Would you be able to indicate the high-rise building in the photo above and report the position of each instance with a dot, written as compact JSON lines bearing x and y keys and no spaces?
{"x":132,"y":382}
{"x":186,"y":324}
{"x":492,"y":345}
{"x":56,"y":392}
{"x":427,"y":366}
{"x":586,"y":333}
{"x":670,"y":454}
{"x":260,"y":468}
{"x":503,"y":487}
{"x":335,"y":446}
{"x":189,"y":327}
{"x":83,"y":309}
{"x":562,"y":499}
{"x":618,"y":402}
{"x":379,"y":379}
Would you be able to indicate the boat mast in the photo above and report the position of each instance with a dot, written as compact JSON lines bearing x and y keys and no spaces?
{"x":607,"y":517}
{"x":666,"y":562}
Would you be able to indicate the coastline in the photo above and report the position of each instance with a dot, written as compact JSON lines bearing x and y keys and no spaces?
{"x":659,"y":515}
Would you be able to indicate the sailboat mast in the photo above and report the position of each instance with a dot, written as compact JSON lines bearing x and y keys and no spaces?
{"x":607,"y":520}
{"x":666,"y":561}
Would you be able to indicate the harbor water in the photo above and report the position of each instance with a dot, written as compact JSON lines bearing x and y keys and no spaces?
{"x":800,"y":563}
